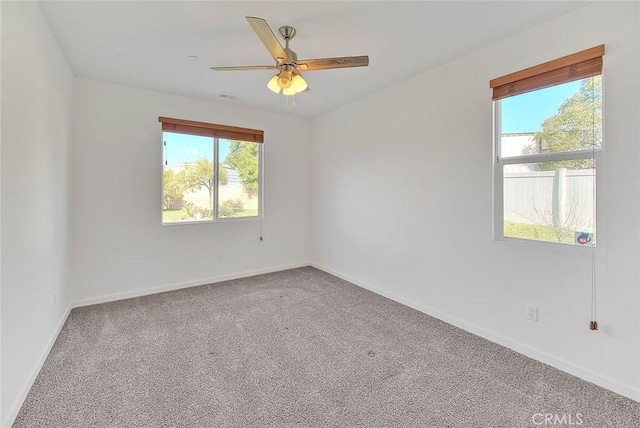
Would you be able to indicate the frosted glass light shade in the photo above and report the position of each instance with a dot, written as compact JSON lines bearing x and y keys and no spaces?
{"x":298,"y":83}
{"x":273,"y":84}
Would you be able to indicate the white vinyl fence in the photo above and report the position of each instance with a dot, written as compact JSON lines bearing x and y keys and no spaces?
{"x":562,"y":198}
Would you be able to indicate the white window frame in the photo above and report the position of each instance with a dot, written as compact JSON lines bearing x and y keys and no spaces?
{"x":216,"y":166}
{"x":498,"y":183}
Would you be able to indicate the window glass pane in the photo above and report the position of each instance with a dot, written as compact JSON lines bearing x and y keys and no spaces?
{"x":239,"y":177}
{"x":562,"y":118}
{"x":550,"y":201}
{"x":188,"y":183}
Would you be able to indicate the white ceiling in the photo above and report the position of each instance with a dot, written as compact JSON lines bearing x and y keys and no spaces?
{"x":147,"y":44}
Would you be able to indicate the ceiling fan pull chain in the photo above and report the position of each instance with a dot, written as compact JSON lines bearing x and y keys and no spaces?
{"x":293,"y":101}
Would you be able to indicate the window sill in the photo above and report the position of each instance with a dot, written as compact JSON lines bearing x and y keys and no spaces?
{"x":220,"y":220}
{"x":546,"y":245}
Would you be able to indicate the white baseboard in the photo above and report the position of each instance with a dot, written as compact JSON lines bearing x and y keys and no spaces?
{"x":13,"y":413}
{"x":180,"y":285}
{"x":581,"y":372}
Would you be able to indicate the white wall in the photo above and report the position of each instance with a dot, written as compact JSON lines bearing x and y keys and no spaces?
{"x":119,"y":245}
{"x":387,"y":212}
{"x":36,"y":113}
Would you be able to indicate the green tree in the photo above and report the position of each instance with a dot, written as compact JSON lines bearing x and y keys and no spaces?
{"x":201,"y":175}
{"x":173,"y":188}
{"x":243,"y":157}
{"x":576,"y":126}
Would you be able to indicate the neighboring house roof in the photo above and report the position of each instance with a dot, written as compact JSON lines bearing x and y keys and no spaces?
{"x":518,"y":144}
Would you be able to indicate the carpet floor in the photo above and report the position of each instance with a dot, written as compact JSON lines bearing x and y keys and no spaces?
{"x":298,"y":348}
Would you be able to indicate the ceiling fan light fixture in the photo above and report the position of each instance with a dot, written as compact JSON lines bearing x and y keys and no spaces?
{"x":273,"y":84}
{"x":289,"y":80}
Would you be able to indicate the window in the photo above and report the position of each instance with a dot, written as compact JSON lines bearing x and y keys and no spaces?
{"x":548,"y":141}
{"x":210,"y":172}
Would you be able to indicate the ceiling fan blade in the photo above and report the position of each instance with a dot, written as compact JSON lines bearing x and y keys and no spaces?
{"x":269,"y":39}
{"x":245,"y":67}
{"x":337,"y":62}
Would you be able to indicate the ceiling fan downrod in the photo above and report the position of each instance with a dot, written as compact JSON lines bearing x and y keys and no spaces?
{"x":289,"y":33}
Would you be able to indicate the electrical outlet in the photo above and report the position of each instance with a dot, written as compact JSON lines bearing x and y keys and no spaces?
{"x":532,"y":313}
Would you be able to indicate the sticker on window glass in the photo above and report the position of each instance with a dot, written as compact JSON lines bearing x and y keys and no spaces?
{"x":583,"y":238}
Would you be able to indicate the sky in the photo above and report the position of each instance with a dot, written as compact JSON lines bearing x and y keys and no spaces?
{"x":526,"y":112}
{"x":182,"y":148}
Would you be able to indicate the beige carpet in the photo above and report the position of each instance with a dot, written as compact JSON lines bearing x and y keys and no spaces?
{"x":298,"y":348}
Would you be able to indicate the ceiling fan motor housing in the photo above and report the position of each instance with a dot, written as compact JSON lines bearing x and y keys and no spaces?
{"x":292,"y":55}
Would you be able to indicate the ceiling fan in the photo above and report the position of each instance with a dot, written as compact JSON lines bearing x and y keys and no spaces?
{"x":289,"y":79}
